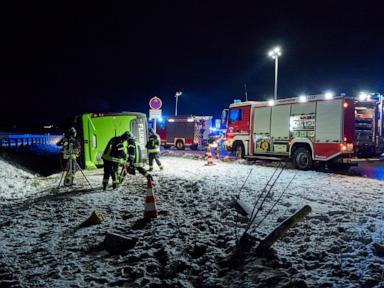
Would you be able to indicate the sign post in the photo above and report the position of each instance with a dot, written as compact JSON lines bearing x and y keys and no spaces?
{"x":155,"y":112}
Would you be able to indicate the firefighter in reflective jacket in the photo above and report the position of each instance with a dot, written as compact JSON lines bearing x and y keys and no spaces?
{"x":135,"y":161}
{"x":153,"y":146}
{"x":113,"y":156}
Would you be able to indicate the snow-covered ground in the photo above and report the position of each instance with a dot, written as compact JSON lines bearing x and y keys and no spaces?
{"x":42,"y":246}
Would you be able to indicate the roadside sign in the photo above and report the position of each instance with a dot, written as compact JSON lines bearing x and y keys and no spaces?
{"x":155,"y":103}
{"x":154,"y":114}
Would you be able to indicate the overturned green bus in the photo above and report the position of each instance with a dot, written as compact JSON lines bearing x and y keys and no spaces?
{"x":96,"y":129}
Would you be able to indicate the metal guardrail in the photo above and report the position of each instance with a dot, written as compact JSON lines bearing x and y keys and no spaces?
{"x":16,"y":140}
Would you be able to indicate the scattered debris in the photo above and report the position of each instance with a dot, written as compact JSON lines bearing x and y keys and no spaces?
{"x":95,"y":218}
{"x":118,"y":244}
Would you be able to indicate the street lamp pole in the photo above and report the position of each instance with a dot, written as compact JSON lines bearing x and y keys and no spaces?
{"x":276,"y":72}
{"x":177,"y":95}
{"x":275,"y":53}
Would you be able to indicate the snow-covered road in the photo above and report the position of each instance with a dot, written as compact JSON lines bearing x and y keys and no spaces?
{"x":41,"y":246}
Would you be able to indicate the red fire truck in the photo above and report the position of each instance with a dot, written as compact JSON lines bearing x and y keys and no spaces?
{"x":307,"y":130}
{"x":185,"y":131}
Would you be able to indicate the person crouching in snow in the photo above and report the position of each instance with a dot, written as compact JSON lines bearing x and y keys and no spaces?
{"x":113,"y":156}
{"x":153,"y":146}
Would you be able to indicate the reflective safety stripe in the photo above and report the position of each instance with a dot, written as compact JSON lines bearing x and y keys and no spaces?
{"x":154,"y":150}
{"x":139,"y":165}
{"x":150,"y":206}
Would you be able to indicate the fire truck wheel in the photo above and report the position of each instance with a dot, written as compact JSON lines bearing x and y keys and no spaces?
{"x":302,"y":159}
{"x":180,"y":145}
{"x":239,"y":150}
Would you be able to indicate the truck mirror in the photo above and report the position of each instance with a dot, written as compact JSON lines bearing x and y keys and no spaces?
{"x":224,"y":116}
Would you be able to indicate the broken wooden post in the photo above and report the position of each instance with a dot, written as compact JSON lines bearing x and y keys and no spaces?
{"x":280,"y":231}
{"x":242,"y":207}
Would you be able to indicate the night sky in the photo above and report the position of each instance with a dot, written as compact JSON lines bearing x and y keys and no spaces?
{"x":62,"y":60}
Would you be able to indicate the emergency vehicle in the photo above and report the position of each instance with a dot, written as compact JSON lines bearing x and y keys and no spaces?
{"x":96,"y":129}
{"x":185,"y":131}
{"x":333,"y":130}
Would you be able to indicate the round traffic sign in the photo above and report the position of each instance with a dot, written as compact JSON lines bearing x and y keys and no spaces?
{"x":155,"y":103}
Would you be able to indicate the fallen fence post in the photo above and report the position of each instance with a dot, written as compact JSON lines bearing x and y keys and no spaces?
{"x":280,"y":230}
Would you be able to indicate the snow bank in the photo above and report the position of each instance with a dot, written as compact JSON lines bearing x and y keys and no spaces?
{"x":16,"y":183}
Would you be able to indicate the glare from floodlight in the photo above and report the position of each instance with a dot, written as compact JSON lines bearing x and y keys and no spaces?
{"x":303,"y":98}
{"x":363,"y":96}
{"x":328,"y":95}
{"x":275,"y":52}
{"x":271,"y":102}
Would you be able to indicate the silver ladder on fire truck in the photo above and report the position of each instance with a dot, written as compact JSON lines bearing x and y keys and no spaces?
{"x":336,"y":130}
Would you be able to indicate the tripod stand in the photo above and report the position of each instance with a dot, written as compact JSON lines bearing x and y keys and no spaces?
{"x":71,"y":168}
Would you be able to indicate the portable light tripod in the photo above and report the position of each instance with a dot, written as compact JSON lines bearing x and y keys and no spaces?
{"x":71,"y":167}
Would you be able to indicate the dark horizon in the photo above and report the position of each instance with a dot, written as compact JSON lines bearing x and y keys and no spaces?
{"x":60,"y":61}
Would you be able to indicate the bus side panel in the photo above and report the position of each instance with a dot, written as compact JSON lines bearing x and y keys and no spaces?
{"x":101,"y":130}
{"x":86,"y":153}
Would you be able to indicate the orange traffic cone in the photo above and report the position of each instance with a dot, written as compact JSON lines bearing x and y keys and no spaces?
{"x":150,"y":210}
{"x":209,"y":157}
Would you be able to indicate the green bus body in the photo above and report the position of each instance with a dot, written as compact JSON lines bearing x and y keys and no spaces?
{"x":97,"y":129}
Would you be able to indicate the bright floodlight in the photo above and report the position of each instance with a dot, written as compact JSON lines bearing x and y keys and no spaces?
{"x":328,"y":95}
{"x":275,"y":52}
{"x":178,"y":93}
{"x":271,"y":102}
{"x":363,"y":96}
{"x":303,"y":98}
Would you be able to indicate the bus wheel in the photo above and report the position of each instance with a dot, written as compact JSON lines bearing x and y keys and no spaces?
{"x":180,"y":145}
{"x":302,"y":159}
{"x":239,"y":150}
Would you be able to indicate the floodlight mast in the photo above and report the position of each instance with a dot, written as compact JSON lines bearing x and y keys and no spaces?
{"x":177,"y":95}
{"x":275,"y":53}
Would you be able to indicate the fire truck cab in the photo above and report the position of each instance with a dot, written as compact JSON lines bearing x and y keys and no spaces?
{"x":304,"y":129}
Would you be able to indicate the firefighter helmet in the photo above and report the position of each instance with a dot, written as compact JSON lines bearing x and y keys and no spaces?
{"x":72,"y":132}
{"x":127,"y":135}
